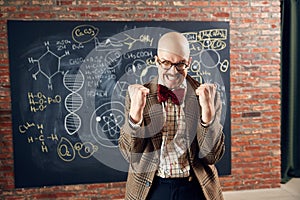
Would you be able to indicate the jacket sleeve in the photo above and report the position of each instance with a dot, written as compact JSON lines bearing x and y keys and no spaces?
{"x":131,"y":139}
{"x":211,"y":139}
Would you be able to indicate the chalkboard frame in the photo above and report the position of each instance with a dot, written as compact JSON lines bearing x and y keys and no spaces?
{"x":28,"y":40}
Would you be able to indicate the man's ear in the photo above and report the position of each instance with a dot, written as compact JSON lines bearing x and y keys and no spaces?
{"x":156,"y":60}
{"x":190,"y":61}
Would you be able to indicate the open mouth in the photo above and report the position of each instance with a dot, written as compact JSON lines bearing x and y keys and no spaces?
{"x":172,"y":77}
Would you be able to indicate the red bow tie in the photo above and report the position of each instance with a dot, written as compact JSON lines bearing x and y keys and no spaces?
{"x":176,"y":95}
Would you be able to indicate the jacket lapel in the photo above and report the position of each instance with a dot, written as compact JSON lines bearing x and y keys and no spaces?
{"x":154,"y":114}
{"x":192,"y":112}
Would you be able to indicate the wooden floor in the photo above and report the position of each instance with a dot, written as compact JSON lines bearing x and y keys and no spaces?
{"x":288,"y":191}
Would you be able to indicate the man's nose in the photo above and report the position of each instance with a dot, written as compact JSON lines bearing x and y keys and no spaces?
{"x":173,"y":69}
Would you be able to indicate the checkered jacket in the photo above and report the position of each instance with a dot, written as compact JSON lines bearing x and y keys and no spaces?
{"x":141,"y":147}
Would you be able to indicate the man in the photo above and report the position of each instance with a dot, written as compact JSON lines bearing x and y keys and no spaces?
{"x":172,"y":139}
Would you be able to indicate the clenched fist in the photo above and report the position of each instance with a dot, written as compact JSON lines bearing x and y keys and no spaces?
{"x":137,"y":95}
{"x":207,"y":93}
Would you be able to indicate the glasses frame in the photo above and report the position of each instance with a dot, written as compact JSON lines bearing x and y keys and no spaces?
{"x":172,"y":64}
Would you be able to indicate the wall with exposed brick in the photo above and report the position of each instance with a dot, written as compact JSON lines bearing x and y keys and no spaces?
{"x":255,"y":83}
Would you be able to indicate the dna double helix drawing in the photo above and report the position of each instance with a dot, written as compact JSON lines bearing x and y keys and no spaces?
{"x":73,"y":102}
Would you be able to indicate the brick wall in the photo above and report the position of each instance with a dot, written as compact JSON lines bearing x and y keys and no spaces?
{"x":255,"y":83}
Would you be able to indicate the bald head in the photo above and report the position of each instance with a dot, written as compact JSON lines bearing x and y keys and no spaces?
{"x":175,"y":43}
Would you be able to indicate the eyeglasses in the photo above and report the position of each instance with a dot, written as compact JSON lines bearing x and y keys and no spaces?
{"x":165,"y":64}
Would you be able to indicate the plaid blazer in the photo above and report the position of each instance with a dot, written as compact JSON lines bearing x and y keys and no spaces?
{"x":141,"y":146}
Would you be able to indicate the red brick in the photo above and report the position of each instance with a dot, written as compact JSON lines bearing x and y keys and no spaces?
{"x":240,"y":143}
{"x":96,"y":186}
{"x":260,"y":50}
{"x":145,"y":9}
{"x":219,"y":4}
{"x":30,"y":8}
{"x":241,"y":96}
{"x":231,"y":183}
{"x":260,"y":3}
{"x":272,"y":89}
{"x":109,"y":192}
{"x":90,"y":2}
{"x":155,"y":3}
{"x":221,"y":14}
{"x":261,"y":142}
{"x":65,"y":2}
{"x":157,"y":15}
{"x":178,"y":15}
{"x":44,"y":196}
{"x":198,"y":3}
{"x":43,"y":2}
{"x":78,"y":9}
{"x":100,"y":9}
{"x":4,"y":9}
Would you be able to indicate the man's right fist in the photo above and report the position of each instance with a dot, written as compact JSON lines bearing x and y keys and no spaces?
{"x":137,"y":94}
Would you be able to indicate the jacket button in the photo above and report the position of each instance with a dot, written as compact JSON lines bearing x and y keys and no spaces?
{"x":148,"y":184}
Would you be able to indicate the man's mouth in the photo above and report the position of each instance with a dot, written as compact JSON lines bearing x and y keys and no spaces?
{"x":172,"y":77}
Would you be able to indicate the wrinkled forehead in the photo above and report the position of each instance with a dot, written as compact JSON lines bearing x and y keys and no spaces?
{"x":174,"y":43}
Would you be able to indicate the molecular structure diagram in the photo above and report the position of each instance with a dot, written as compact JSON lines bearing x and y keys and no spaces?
{"x":44,"y":65}
{"x":37,"y":137}
{"x":39,"y":102}
{"x":105,"y":123}
{"x":111,"y":123}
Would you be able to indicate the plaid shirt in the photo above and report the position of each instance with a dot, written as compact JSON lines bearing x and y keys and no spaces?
{"x":174,"y":161}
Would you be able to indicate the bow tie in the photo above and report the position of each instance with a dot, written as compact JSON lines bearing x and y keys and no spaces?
{"x":176,"y":95}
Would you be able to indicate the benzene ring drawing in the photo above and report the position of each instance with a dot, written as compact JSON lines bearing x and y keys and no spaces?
{"x":48,"y":65}
{"x":105,"y":123}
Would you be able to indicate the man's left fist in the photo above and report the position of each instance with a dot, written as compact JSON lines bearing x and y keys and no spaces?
{"x":207,"y":93}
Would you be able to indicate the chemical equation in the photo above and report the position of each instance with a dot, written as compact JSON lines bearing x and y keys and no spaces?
{"x":138,"y":55}
{"x":213,"y":38}
{"x":62,"y":44}
{"x":130,"y":41}
{"x":38,"y":135}
{"x":84,"y":33}
{"x":96,"y":68}
{"x":39,"y":102}
{"x":67,"y":151}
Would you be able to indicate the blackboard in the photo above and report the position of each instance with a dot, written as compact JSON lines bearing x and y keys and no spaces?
{"x":68,"y":82}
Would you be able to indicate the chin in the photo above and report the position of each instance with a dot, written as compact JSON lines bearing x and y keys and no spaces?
{"x":172,"y":85}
